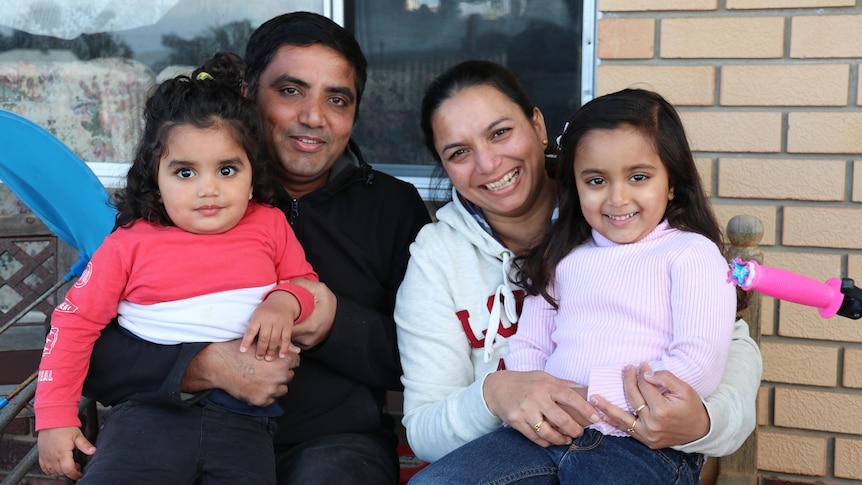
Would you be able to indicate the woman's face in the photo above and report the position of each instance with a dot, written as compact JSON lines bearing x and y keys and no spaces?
{"x":493,"y":154}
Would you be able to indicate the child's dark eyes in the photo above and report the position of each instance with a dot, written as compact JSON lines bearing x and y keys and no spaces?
{"x":227,"y":171}
{"x":185,"y":173}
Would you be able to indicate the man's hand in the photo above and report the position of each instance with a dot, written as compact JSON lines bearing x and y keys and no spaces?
{"x":314,"y":329}
{"x":257,"y":382}
{"x":55,"y":451}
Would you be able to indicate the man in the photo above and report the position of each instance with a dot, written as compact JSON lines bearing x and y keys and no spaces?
{"x":307,"y":76}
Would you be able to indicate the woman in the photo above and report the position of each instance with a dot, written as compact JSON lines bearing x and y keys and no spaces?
{"x":456,"y":306}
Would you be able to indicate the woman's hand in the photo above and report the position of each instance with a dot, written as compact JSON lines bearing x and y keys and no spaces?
{"x":672,"y":418}
{"x":545,"y":409}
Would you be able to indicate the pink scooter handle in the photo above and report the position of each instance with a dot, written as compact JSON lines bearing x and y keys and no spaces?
{"x":788,"y":286}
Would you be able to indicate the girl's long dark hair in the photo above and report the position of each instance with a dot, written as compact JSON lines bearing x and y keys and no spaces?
{"x":654,"y":118}
{"x":210,"y":96}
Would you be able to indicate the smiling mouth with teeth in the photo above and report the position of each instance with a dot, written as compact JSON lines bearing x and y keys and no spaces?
{"x":308,"y":141}
{"x":621,"y":218}
{"x":504,"y":182}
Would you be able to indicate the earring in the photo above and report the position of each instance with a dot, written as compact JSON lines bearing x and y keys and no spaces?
{"x":544,"y":142}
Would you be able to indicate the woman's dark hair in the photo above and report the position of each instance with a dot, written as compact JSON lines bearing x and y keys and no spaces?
{"x":302,"y":29}
{"x":658,"y":122}
{"x":211,"y":96}
{"x":465,"y":75}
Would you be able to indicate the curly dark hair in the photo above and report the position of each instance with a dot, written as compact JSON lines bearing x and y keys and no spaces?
{"x":657,"y":120}
{"x":202,"y":101}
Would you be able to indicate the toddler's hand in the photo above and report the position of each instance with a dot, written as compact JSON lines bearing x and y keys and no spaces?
{"x":55,"y":451}
{"x":272,"y":326}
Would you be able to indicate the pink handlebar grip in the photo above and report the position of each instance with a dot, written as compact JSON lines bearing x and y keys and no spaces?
{"x":788,"y":286}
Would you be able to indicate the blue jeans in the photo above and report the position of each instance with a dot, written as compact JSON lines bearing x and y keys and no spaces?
{"x":345,"y":459}
{"x":505,"y":456}
{"x":145,"y":443}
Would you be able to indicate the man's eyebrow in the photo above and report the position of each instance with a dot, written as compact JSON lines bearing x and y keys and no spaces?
{"x":288,"y":79}
{"x":345,"y":91}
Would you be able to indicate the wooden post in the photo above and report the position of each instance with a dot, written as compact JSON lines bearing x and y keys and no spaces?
{"x":744,"y":233}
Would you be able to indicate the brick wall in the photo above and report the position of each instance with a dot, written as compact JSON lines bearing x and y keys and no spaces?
{"x":770,"y":93}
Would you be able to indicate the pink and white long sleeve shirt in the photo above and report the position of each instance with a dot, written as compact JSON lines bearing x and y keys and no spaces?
{"x":168,"y":286}
{"x":664,"y":300}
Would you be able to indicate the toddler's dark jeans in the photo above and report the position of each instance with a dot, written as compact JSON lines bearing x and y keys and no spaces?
{"x":144,"y":443}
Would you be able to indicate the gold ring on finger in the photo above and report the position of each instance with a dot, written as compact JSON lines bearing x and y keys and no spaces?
{"x":639,"y":409}
{"x":538,"y":426}
{"x":631,"y":429}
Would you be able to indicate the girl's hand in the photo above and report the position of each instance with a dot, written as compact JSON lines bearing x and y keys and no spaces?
{"x":315,"y":329}
{"x":675,"y":417}
{"x":55,"y":451}
{"x":272,"y":325}
{"x":545,"y":409}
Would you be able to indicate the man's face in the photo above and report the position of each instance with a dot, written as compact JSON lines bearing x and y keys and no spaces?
{"x":307,"y":100}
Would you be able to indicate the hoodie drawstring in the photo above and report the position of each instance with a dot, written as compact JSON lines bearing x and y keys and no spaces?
{"x":505,"y":294}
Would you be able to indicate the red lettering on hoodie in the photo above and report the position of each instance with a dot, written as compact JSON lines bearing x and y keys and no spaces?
{"x":478,"y":343}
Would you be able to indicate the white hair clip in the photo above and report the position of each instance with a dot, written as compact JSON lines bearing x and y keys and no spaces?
{"x":560,"y":137}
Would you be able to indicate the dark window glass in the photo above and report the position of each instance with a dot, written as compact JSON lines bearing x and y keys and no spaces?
{"x":409,"y":42}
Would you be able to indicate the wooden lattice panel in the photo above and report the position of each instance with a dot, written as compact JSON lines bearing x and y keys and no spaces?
{"x":28,"y":268}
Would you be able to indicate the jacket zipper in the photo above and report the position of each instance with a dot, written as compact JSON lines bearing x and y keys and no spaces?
{"x":294,"y":211}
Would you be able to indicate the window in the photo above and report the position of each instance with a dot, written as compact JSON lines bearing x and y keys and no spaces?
{"x":409,"y":42}
{"x":82,"y":68}
{"x":157,"y":33}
